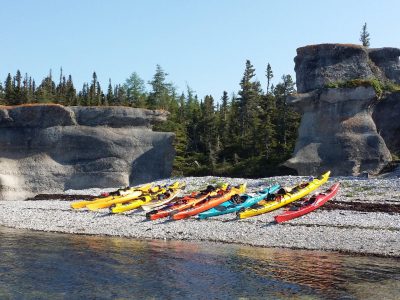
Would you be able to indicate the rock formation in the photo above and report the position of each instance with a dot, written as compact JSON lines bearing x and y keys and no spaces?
{"x":387,"y":119}
{"x":337,"y":131}
{"x":51,"y":148}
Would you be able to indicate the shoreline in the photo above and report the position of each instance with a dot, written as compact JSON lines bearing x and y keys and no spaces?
{"x":345,"y":231}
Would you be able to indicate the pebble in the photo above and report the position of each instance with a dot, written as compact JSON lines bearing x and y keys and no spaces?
{"x":346,"y":231}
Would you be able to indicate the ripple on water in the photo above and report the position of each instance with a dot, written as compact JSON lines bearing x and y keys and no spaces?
{"x":40,"y":265}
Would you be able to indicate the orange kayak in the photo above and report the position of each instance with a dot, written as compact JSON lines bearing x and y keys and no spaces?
{"x":182,"y":204}
{"x":209,"y":202}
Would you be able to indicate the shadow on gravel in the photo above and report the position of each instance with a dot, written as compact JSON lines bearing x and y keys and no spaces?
{"x":361,"y":206}
{"x":269,"y":224}
{"x":62,"y":197}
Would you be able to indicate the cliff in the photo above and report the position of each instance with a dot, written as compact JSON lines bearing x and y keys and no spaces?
{"x":51,"y":148}
{"x":338,"y":129}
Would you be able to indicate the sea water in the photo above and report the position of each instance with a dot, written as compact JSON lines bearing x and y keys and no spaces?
{"x":39,"y":265}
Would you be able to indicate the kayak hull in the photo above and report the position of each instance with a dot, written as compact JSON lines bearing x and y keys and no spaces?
{"x":282,"y":200}
{"x":316,"y":202}
{"x":181,"y":204}
{"x":155,"y":204}
{"x":230,"y":207}
{"x":208,"y":203}
{"x":121,"y":199}
{"x":113,"y":197}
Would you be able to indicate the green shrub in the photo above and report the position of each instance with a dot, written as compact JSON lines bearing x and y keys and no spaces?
{"x":379,"y":86}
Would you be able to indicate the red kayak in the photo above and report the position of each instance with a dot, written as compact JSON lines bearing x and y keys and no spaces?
{"x":308,"y":205}
{"x":209,"y":202}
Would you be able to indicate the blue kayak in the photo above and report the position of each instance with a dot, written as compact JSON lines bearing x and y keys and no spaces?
{"x":235,"y":205}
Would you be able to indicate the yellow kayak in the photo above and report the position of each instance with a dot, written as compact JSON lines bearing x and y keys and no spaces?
{"x":281,"y":200}
{"x":173,"y":191}
{"x":121,"y":207}
{"x":121,"y":199}
{"x":123,"y":192}
{"x":163,"y":193}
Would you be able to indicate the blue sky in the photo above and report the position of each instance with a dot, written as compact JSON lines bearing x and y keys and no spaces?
{"x":203,"y":44}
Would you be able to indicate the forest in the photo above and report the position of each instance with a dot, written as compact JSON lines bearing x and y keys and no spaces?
{"x":248,"y":134}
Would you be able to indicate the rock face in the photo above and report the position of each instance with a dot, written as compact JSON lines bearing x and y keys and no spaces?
{"x":51,"y":148}
{"x":337,"y":131}
{"x":387,"y":59}
{"x":387,"y":119}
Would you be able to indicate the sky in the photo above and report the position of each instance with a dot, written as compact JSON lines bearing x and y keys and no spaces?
{"x":201,"y":44}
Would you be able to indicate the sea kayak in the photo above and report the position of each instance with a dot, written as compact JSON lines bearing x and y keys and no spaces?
{"x":183,"y":203}
{"x":284,"y":198}
{"x":308,"y":205}
{"x":161,"y":200}
{"x":244,"y":201}
{"x":162,"y":193}
{"x":110,"y":196}
{"x":210,"y":202}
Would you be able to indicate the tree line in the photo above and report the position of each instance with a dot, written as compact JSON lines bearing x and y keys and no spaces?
{"x":245,"y":134}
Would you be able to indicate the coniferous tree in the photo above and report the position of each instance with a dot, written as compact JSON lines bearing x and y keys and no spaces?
{"x":285,"y":113}
{"x":208,"y":128}
{"x":61,"y":89}
{"x":181,"y":113}
{"x":46,"y":91}
{"x":18,"y":88}
{"x":269,"y":74}
{"x":70,"y":93}
{"x":193,"y":115}
{"x":249,"y":100}
{"x":120,"y":95}
{"x":158,"y":97}
{"x":25,"y":89}
{"x":95,"y":91}
{"x":223,"y":122}
{"x":1,"y":95}
{"x":135,"y":91}
{"x":233,"y":145}
{"x":364,"y":36}
{"x":110,"y":95}
{"x":83,"y":95}
{"x":9,"y":90}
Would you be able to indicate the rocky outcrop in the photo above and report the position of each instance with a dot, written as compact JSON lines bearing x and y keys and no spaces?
{"x":51,"y":148}
{"x":387,"y":119}
{"x":318,"y":65}
{"x":387,"y":60}
{"x":337,"y":131}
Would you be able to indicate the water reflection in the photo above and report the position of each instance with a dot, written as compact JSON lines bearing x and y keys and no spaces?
{"x":35,"y":265}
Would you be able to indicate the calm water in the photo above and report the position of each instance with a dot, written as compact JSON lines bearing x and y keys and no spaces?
{"x":35,"y":265}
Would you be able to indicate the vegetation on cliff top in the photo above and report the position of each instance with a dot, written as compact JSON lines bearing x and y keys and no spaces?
{"x":249,"y":134}
{"x":379,"y":86}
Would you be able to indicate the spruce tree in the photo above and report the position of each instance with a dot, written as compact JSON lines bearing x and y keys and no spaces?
{"x":223,"y":123}
{"x":70,"y":93}
{"x":269,"y":74}
{"x":9,"y":90}
{"x":18,"y":88}
{"x":46,"y":91}
{"x":364,"y":36}
{"x":158,"y":97}
{"x":135,"y":91}
{"x":286,"y":116}
{"x":249,"y":100}
{"x":1,"y":94}
{"x":110,"y":95}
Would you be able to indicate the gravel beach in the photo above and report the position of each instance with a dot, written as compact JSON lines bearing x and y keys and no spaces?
{"x":363,"y":218}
